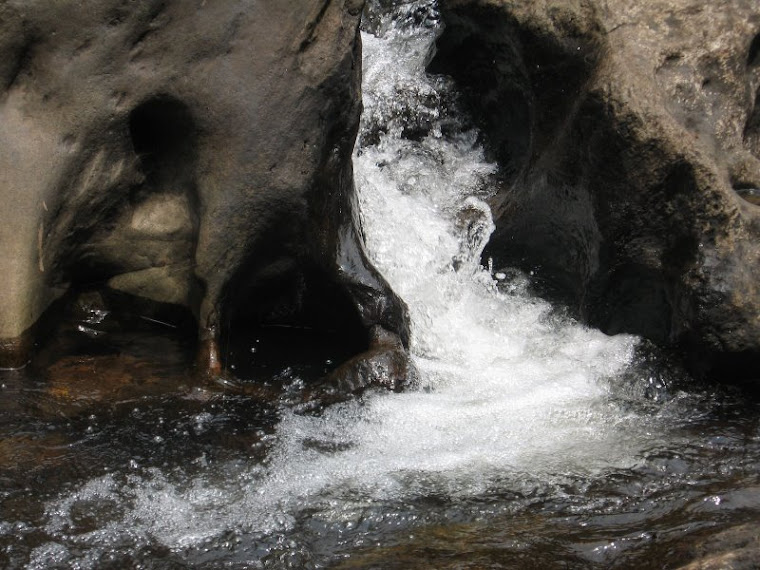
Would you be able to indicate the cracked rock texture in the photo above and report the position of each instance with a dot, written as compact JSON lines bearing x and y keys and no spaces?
{"x":190,"y":152}
{"x":628,"y":135}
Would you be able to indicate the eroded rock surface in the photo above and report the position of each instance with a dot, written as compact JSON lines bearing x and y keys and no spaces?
{"x":627,"y":134}
{"x":188,"y":152}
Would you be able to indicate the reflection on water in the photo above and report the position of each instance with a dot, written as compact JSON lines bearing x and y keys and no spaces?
{"x":529,"y":442}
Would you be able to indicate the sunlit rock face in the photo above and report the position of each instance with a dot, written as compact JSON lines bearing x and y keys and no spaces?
{"x":627,"y":135}
{"x":188,"y":152}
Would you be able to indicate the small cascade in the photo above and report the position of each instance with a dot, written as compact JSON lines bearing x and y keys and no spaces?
{"x":516,"y":406}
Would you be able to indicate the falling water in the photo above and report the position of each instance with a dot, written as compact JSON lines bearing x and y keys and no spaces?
{"x":515,"y":405}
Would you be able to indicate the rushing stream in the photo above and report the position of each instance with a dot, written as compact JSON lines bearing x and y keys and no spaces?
{"x":528,"y":441}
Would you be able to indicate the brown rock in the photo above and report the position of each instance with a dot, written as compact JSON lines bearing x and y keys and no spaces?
{"x":385,"y":364}
{"x":736,"y":548}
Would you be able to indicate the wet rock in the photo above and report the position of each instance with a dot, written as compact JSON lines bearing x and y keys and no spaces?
{"x":189,"y":153}
{"x":32,"y":452}
{"x":77,"y":384}
{"x":737,"y":548}
{"x":386,"y":364}
{"x":627,"y":135}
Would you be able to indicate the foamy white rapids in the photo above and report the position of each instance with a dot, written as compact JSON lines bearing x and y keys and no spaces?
{"x":505,"y":388}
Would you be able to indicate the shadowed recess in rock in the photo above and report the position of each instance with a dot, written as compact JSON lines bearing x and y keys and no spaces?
{"x":164,"y":138}
{"x":279,"y":309}
{"x":753,"y":57}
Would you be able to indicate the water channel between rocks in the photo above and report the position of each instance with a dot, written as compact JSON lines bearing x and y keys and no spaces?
{"x":529,"y":441}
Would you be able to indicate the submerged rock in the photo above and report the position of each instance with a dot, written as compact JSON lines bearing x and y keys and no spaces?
{"x":737,"y":548}
{"x":190,"y":153}
{"x":628,"y":136}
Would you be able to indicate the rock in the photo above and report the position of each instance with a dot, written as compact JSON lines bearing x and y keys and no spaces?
{"x":386,"y":364}
{"x":186,"y":152}
{"x":27,"y":454}
{"x":737,"y":548}
{"x":627,"y":136}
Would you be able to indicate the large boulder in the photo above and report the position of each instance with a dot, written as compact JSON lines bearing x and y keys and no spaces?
{"x":193,"y":153}
{"x":628,"y":135}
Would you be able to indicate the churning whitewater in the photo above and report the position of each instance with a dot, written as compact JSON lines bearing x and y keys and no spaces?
{"x":509,"y":394}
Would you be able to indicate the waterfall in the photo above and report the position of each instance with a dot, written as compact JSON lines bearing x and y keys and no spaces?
{"x":512,"y":396}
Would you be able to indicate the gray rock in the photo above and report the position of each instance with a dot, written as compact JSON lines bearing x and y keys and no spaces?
{"x":185,"y":151}
{"x":385,"y":364}
{"x":627,"y":134}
